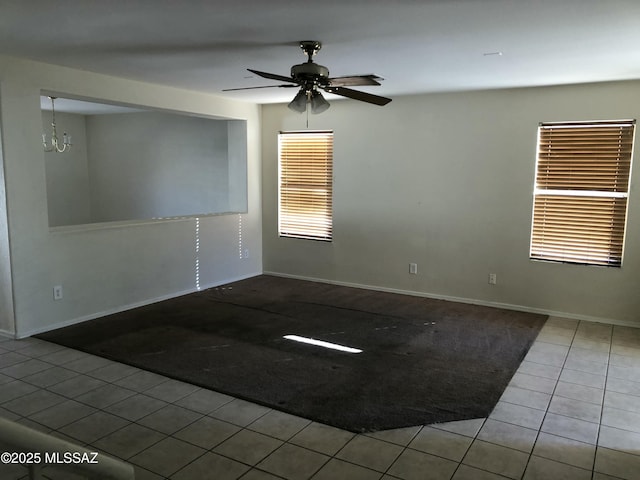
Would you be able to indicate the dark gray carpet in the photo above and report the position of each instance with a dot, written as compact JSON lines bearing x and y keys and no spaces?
{"x":422,"y":361}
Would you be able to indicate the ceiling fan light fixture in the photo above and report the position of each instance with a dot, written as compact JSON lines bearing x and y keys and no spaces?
{"x":299,"y":102}
{"x":318,"y":103}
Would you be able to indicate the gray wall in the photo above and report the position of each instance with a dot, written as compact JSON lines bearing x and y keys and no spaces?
{"x":150,"y":165}
{"x":7,"y":321}
{"x":67,"y":174}
{"x":446,"y":181}
{"x":105,"y":268}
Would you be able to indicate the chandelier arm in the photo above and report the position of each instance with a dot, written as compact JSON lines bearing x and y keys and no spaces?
{"x":55,"y":143}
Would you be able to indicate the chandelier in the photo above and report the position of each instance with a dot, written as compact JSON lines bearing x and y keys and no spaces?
{"x":55,"y":145}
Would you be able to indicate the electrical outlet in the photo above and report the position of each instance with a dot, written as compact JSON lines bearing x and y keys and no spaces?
{"x":493,"y":279}
{"x":413,"y":268}
{"x":57,"y":292}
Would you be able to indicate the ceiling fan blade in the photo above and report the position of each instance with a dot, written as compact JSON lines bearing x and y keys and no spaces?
{"x":272,"y":76}
{"x":355,"y":80}
{"x":357,"y":95}
{"x":263,"y":86}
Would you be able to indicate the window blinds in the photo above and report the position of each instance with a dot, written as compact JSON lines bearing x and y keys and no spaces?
{"x":306,"y":185}
{"x":580,"y":197}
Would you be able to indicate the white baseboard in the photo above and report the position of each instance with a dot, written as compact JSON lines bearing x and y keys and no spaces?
{"x":472,"y":301}
{"x":123,"y":308}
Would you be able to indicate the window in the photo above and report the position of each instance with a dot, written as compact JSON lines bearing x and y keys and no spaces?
{"x":581,"y":192}
{"x":305,"y":185}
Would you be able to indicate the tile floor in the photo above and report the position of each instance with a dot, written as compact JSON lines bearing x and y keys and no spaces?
{"x":572,"y":411}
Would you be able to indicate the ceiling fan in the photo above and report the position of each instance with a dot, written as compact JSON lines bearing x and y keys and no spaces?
{"x":310,"y":77}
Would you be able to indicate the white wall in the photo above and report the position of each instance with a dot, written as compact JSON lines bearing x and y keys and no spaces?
{"x":107,"y":269}
{"x":446,"y":181}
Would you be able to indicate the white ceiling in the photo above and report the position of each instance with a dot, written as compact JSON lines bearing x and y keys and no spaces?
{"x":415,"y":45}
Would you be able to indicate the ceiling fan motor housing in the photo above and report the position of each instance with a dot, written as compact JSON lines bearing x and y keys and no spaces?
{"x":310,"y":72}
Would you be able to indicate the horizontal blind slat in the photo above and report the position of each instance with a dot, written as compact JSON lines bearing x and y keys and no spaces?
{"x":306,"y":185}
{"x":584,"y":158}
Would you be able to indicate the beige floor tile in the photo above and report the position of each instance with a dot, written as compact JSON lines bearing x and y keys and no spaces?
{"x":95,"y":426}
{"x":337,"y":469}
{"x":624,"y":373}
{"x":63,"y":356}
{"x":171,"y":391}
{"x":104,"y":396}
{"x":13,"y":471}
{"x":496,"y":459}
{"x":533,"y":382}
{"x":5,"y":379}
{"x":572,"y":428}
{"x":618,"y":464}
{"x":545,"y":469}
{"x":24,"y":369}
{"x":468,"y":428}
{"x":580,"y":392}
{"x":33,"y":402}
{"x":129,"y":441}
{"x":204,"y":401}
{"x":370,"y":452}
{"x":113,"y":372}
{"x":622,"y":419}
{"x":414,"y":465}
{"x":239,"y":412}
{"x":518,"y":415}
{"x":207,"y":432}
{"x":62,"y":414}
{"x":211,"y":465}
{"x":617,"y":439}
{"x":565,"y":450}
{"x":602,"y":476}
{"x":623,"y":386}
{"x":50,"y":377}
{"x":582,"y":378}
{"x":144,"y":474}
{"x":508,"y":435}
{"x":549,"y":336}
{"x":624,"y":361}
{"x":322,"y":438}
{"x":135,"y":407}
{"x":248,"y":447}
{"x":15,"y":389}
{"x":547,"y":354}
{"x":445,"y":444}
{"x":538,"y":370}
{"x":591,"y":345}
{"x":576,"y":363}
{"x":76,"y":386}
{"x":41,"y":348}
{"x":87,"y":364}
{"x":465,"y":472}
{"x":169,"y":419}
{"x":526,"y":398}
{"x":619,"y":348}
{"x":622,"y":401}
{"x":569,"y":407}
{"x":599,"y":353}
{"x":278,"y":424}
{"x":141,"y":381}
{"x":167,"y":456}
{"x":399,"y":436}
{"x":293,"y":462}
{"x":561,"y":322}
{"x":255,"y":474}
